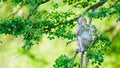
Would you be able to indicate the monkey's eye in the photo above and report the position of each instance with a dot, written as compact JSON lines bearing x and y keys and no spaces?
{"x":82,"y":20}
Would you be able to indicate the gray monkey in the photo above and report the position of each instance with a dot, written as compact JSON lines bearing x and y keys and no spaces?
{"x":84,"y":35}
{"x":85,"y":32}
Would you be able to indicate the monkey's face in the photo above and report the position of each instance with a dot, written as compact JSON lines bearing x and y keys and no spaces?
{"x":81,"y":20}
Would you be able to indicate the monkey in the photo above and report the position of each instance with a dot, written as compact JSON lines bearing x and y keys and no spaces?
{"x":84,"y":36}
{"x":85,"y":32}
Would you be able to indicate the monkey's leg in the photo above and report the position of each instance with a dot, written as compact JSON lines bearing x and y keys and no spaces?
{"x":76,"y":53}
{"x":81,"y":59}
{"x":78,"y":50}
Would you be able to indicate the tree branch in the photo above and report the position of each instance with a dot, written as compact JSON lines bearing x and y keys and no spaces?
{"x":93,"y":7}
{"x":48,"y":28}
{"x":36,"y":6}
{"x":115,"y":32}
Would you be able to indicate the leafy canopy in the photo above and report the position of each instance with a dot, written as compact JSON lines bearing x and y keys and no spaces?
{"x":56,"y":23}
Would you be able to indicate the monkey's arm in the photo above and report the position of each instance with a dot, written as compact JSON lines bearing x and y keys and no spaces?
{"x":78,"y":29}
{"x":94,"y":33}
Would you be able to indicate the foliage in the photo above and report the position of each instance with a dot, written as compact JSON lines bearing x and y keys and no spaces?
{"x":96,"y":51}
{"x":64,"y":62}
{"x":59,"y":24}
{"x":20,"y":26}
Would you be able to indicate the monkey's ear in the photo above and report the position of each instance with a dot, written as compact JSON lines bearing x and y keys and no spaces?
{"x":78,"y":17}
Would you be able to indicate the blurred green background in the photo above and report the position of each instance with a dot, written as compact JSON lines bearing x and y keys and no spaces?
{"x":43,"y":55}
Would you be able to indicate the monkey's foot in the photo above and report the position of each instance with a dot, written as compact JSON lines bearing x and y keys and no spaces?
{"x":78,"y":50}
{"x":76,"y":53}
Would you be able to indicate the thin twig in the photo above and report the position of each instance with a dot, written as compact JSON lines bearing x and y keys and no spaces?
{"x":70,"y":42}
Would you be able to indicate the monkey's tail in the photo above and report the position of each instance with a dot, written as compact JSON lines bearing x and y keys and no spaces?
{"x":81,"y":59}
